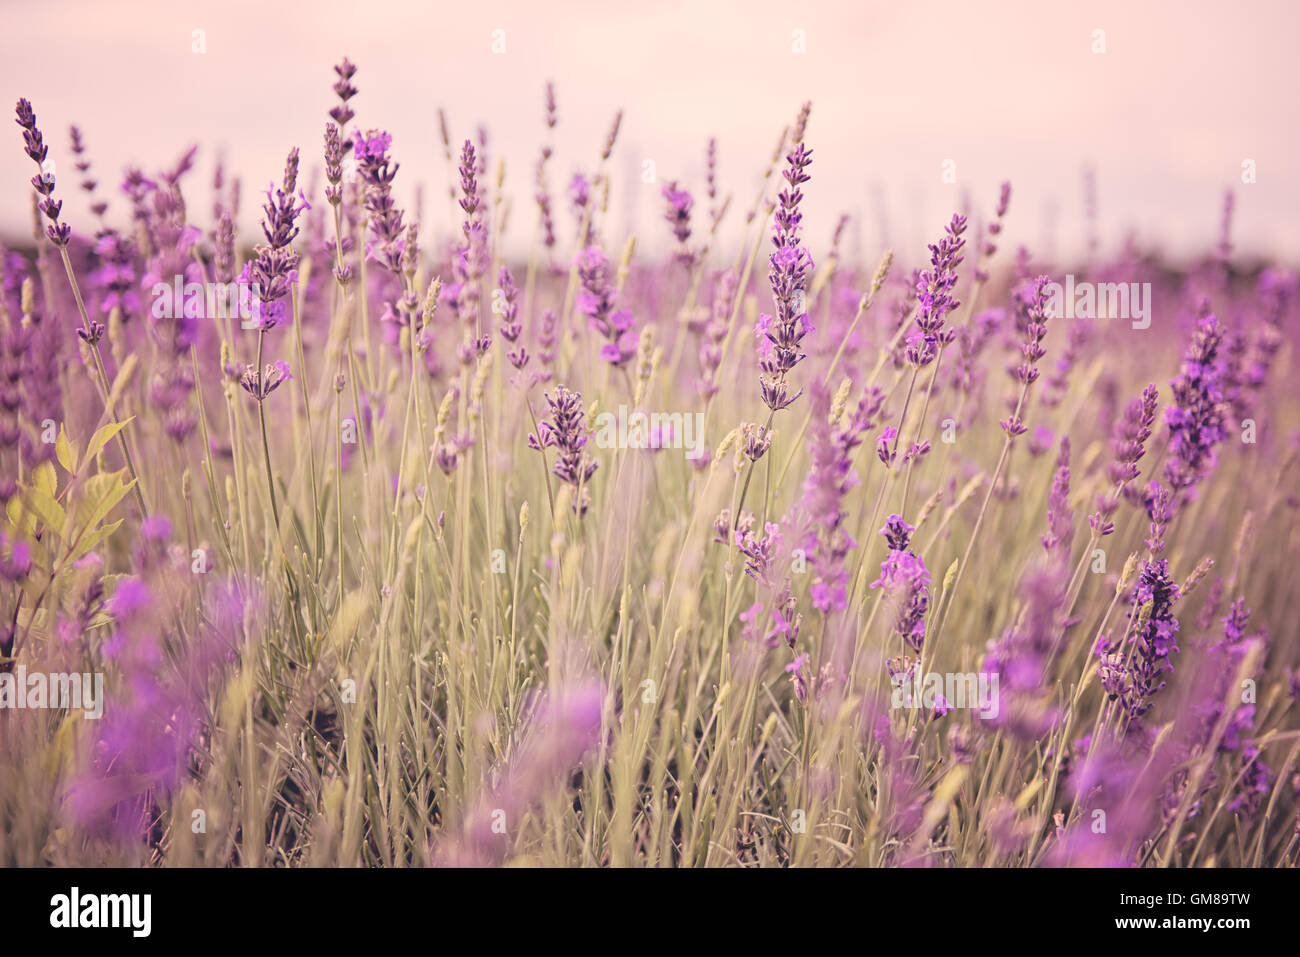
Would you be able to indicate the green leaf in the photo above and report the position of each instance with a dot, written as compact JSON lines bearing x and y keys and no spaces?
{"x":101,"y":493}
{"x":21,"y":518}
{"x":45,"y":478}
{"x":104,"y":436}
{"x":65,"y":450}
{"x":41,"y":559}
{"x":93,"y":539}
{"x":46,"y":509}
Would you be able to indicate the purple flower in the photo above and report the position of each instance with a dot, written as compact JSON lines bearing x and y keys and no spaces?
{"x":759,"y":551}
{"x":790,"y":269}
{"x":1255,"y":786}
{"x":1060,"y":519}
{"x":1159,"y":503}
{"x":274,"y":270}
{"x":345,"y":91}
{"x":551,"y":117}
{"x":885,"y":445}
{"x":905,"y":581}
{"x":1238,"y":733}
{"x":143,"y":745}
{"x":336,"y":149}
{"x":715,"y":333}
{"x":260,"y":385}
{"x":376,"y":172}
{"x":678,"y":214}
{"x":711,"y":175}
{"x":88,"y":183}
{"x":1128,"y":446}
{"x":993,"y":229}
{"x":43,"y":182}
{"x":15,"y":558}
{"x":1040,"y":440}
{"x":934,"y":296}
{"x":470,"y":262}
{"x":1031,"y":316}
{"x":579,"y":191}
{"x":176,"y":330}
{"x":511,"y":327}
{"x":596,"y":302}
{"x":546,"y":339}
{"x":1134,"y":672}
{"x":566,"y":432}
{"x":1196,"y":417}
{"x":116,"y":276}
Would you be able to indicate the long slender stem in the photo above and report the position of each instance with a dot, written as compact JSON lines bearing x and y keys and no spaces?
{"x":103,"y":382}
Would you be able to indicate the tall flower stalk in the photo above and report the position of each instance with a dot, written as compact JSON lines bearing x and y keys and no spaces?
{"x":925,"y":345}
{"x":790,"y":268}
{"x":60,"y":233}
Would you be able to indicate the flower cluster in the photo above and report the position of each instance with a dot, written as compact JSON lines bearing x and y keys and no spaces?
{"x":934,"y":295}
{"x":566,"y":432}
{"x":905,"y":582}
{"x":1031,"y":302}
{"x":596,"y":301}
{"x":376,"y":171}
{"x":678,"y":214}
{"x":274,"y":270}
{"x":1134,"y":671}
{"x":993,"y":230}
{"x":511,"y":328}
{"x":1196,"y":416}
{"x":1060,"y":518}
{"x":471,"y":260}
{"x":1127,"y":446}
{"x":261,"y":384}
{"x":43,"y":181}
{"x":781,"y":335}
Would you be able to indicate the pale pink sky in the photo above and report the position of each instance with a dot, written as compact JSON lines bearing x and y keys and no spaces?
{"x":1183,"y":94}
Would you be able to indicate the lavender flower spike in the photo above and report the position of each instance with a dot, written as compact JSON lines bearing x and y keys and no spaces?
{"x":35,"y":148}
{"x":1196,"y":418}
{"x":376,"y":171}
{"x":566,"y":431}
{"x":680,"y":203}
{"x":1032,"y":315}
{"x":511,"y":327}
{"x":274,"y":270}
{"x":596,"y":302}
{"x":791,"y":266}
{"x":906,"y":582}
{"x":934,"y":295}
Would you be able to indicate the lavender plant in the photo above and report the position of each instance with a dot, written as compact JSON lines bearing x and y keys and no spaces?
{"x":524,"y":574}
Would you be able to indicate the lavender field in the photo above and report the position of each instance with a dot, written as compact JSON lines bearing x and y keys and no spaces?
{"x":512,"y":536}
